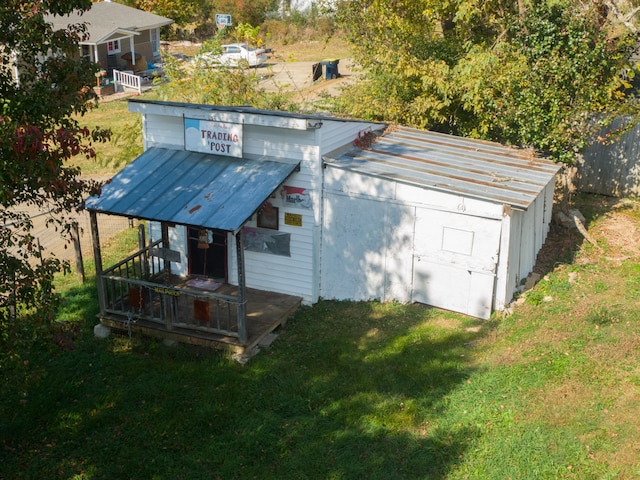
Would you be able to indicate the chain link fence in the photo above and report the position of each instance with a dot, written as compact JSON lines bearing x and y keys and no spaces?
{"x":53,"y":242}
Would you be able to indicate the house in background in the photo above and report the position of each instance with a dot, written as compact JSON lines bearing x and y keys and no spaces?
{"x":248,"y":210}
{"x":119,"y":37}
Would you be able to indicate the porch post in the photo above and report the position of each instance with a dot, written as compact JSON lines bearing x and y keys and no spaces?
{"x":165,"y":248}
{"x":97,"y":258}
{"x":133,"y":51}
{"x":242,"y":310}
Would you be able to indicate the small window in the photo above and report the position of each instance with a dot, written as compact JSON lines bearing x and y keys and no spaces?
{"x":86,"y":52}
{"x":113,"y":46}
{"x":155,"y":41}
{"x":268,"y":217}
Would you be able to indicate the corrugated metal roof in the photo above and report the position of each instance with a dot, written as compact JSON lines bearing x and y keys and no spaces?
{"x":468,"y":167}
{"x":191,"y":188}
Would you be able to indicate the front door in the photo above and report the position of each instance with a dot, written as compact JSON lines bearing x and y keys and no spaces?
{"x":208,"y":253}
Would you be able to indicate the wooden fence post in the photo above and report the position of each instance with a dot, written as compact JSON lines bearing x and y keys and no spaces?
{"x":75,"y":235}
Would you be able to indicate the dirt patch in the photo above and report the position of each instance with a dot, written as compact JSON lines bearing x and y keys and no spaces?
{"x":290,"y":68}
{"x":616,"y":231}
{"x":297,"y":78}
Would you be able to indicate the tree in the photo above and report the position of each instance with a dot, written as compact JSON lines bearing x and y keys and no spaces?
{"x":180,"y":11}
{"x":530,"y":73}
{"x":44,"y":86}
{"x":207,"y":82}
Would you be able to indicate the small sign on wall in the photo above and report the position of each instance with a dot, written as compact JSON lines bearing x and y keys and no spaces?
{"x":295,"y":196}
{"x":293,"y":219}
{"x":218,"y":138}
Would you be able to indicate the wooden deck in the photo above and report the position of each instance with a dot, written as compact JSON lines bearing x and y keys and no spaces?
{"x":265,"y":312}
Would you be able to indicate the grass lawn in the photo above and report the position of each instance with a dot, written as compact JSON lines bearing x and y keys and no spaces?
{"x":126,"y":139}
{"x":352,"y":390}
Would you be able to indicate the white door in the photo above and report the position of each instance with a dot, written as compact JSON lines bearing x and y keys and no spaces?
{"x":454,"y":263}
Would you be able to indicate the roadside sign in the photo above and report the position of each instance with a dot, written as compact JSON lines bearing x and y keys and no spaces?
{"x":223,"y":20}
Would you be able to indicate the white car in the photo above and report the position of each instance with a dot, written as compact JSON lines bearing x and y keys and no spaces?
{"x":236,"y":55}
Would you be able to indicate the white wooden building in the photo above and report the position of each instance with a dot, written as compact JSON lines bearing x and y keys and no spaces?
{"x":336,"y":208}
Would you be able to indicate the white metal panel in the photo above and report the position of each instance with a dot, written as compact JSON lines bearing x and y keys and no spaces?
{"x":527,"y":244}
{"x":246,"y":115}
{"x":292,"y":275}
{"x":504,"y":285}
{"x":357,"y":262}
{"x":278,"y":143}
{"x":455,"y":261}
{"x":438,"y":200}
{"x":514,"y":251}
{"x":341,"y":181}
{"x":548,"y":206}
{"x":399,"y":232}
{"x":338,"y":180}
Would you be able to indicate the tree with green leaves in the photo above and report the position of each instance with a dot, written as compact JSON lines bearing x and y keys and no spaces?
{"x":530,"y":73}
{"x":205,"y":81}
{"x":44,"y":87}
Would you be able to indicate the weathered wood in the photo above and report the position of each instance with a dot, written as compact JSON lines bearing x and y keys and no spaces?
{"x":265,"y":312}
{"x":242,"y":314}
{"x":97,"y":258}
{"x":611,"y":164}
{"x":75,"y":235}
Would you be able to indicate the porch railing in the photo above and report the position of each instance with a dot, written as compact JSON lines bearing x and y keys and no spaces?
{"x":138,"y":289}
{"x":128,"y":80}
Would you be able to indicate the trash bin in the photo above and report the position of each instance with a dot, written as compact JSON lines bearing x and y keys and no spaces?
{"x":331,"y":68}
{"x":317,"y":71}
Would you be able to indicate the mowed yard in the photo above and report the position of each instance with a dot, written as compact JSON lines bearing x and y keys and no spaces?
{"x":351,"y":390}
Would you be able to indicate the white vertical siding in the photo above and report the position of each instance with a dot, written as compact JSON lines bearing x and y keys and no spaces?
{"x":505,"y":285}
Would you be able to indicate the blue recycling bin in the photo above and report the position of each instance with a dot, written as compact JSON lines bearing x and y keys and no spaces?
{"x":331,"y":68}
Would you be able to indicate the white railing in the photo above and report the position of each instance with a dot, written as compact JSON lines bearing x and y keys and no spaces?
{"x":127,"y":80}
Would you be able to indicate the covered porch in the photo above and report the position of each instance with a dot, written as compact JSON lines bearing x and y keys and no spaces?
{"x":140,"y":295}
{"x":150,"y":291}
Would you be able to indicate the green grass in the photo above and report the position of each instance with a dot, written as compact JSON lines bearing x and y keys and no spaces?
{"x":348,"y":390}
{"x":125,"y":140}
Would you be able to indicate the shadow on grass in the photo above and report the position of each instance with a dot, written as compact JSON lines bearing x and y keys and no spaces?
{"x":349,"y":390}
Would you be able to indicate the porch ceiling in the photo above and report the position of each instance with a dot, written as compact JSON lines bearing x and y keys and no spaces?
{"x":191,"y":188}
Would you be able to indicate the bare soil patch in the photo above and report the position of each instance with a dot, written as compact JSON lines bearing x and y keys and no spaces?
{"x":290,"y":67}
{"x":617,"y":232}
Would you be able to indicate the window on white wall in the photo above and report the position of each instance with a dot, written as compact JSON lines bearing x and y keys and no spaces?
{"x":113,"y":47}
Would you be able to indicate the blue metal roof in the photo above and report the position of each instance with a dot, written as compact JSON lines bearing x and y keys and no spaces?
{"x":457,"y":165}
{"x":191,"y":188}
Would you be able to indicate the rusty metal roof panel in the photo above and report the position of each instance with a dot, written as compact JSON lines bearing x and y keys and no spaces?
{"x":457,"y":165}
{"x":191,"y":188}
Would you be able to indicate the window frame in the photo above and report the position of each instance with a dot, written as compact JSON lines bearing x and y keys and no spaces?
{"x":113,"y":46}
